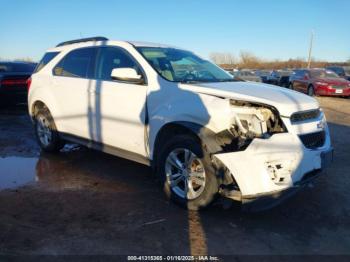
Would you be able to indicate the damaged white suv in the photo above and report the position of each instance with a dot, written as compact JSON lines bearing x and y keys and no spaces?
{"x":202,"y":132}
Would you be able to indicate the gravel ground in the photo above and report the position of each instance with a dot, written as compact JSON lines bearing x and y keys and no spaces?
{"x":85,"y":202}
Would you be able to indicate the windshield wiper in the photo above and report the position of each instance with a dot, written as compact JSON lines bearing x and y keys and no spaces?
{"x":213,"y":81}
{"x":228,"y":80}
{"x":190,"y":81}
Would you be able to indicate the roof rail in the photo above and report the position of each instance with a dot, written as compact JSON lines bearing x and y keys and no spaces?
{"x":96,"y":38}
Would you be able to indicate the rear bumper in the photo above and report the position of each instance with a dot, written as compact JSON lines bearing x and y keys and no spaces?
{"x":13,"y":96}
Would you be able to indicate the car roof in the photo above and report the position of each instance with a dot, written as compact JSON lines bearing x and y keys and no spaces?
{"x":149,"y":44}
{"x":77,"y":44}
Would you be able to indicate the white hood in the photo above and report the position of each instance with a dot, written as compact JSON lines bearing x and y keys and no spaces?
{"x":286,"y":101}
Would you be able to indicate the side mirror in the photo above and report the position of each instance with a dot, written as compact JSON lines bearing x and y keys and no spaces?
{"x":306,"y":77}
{"x":127,"y":74}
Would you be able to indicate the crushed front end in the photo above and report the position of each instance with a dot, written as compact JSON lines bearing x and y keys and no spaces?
{"x":267,"y":157}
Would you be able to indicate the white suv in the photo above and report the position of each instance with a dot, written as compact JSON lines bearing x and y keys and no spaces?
{"x":202,"y":132}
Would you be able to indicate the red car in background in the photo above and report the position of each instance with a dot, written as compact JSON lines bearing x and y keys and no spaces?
{"x":319,"y":82}
{"x":13,"y":82}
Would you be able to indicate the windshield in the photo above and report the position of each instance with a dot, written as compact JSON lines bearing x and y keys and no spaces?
{"x":323,"y":74}
{"x":183,"y":66}
{"x":337,"y":70}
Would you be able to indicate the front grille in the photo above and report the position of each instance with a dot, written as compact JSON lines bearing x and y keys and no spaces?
{"x":305,"y":115}
{"x":338,"y":87}
{"x":313,"y":140}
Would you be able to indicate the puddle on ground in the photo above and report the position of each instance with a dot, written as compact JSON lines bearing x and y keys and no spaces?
{"x":16,"y":171}
{"x":74,"y":168}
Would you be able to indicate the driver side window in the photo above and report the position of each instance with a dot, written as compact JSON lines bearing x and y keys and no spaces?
{"x":109,"y":58}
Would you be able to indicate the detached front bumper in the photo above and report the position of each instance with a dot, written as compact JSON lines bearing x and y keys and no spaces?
{"x":261,"y":202}
{"x":271,"y":170}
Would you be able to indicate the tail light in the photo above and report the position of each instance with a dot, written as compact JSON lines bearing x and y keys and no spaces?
{"x":11,"y":82}
{"x":29,"y":82}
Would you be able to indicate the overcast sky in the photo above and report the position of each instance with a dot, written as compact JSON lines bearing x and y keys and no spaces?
{"x":270,"y":29}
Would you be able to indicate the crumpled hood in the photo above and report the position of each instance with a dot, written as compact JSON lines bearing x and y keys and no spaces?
{"x":286,"y":101}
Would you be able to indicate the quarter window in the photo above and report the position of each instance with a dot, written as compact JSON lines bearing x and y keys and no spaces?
{"x":77,"y":63}
{"x":45,"y":60}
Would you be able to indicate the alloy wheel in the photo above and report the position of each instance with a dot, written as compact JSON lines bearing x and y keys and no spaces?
{"x":43,"y":130}
{"x":185,"y":173}
{"x":311,"y":91}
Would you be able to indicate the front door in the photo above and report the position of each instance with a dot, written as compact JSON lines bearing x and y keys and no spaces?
{"x":119,"y":107}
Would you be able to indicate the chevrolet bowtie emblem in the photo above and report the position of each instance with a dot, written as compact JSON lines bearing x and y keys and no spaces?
{"x":320,"y":125}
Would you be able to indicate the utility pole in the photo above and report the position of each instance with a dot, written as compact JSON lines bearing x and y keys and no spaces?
{"x":310,"y":49}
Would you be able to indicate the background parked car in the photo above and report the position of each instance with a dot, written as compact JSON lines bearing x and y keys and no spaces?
{"x":246,"y":75}
{"x":13,"y":81}
{"x":263,"y":74}
{"x":342,"y":71}
{"x":320,"y":82}
{"x":279,"y":77}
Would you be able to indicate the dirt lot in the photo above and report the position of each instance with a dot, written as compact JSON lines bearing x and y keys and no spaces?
{"x":85,"y":202}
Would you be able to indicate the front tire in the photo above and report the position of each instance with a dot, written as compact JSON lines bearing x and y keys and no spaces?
{"x":186,"y":173}
{"x":291,"y":87}
{"x":311,"y":91}
{"x":46,"y":131}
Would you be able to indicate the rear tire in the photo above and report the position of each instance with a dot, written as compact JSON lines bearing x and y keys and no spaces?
{"x":46,"y":131}
{"x":291,"y":87}
{"x":190,"y":179}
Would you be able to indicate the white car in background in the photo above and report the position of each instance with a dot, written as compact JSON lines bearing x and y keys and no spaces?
{"x":202,"y":132}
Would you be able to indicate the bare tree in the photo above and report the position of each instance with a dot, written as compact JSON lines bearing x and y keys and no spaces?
{"x":215,"y":57}
{"x":249,"y":60}
{"x":222,"y":58}
{"x":24,"y":59}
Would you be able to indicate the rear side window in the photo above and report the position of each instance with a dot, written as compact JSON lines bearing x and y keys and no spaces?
{"x":300,"y":73}
{"x":45,"y":60}
{"x":112,"y":57}
{"x":77,"y":63}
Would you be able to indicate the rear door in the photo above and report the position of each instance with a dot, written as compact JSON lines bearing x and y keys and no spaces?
{"x":71,"y":85}
{"x":304,"y":81}
{"x":298,"y":80}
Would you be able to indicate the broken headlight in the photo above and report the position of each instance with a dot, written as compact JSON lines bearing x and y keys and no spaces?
{"x":249,"y":121}
{"x":255,"y":120}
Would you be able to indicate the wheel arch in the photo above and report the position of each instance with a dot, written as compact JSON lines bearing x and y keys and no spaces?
{"x":202,"y":133}
{"x":35,"y":107}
